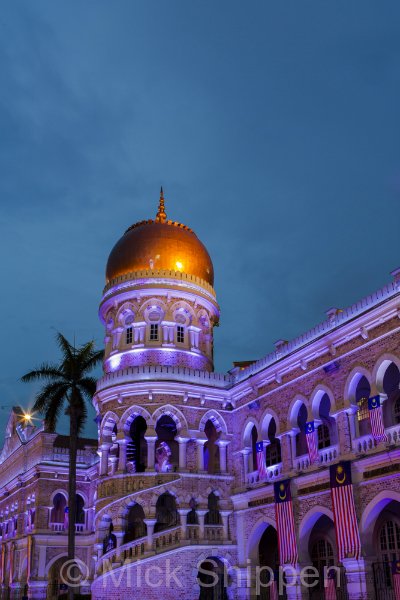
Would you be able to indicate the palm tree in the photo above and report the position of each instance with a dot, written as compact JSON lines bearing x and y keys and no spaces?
{"x":67,"y":389}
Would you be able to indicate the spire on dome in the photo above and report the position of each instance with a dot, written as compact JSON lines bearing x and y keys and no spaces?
{"x":161,"y":216}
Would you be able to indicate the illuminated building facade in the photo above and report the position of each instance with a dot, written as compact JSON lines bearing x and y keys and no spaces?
{"x":175,"y":484}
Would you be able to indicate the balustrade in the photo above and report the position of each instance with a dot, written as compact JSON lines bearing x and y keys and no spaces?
{"x":272,"y":472}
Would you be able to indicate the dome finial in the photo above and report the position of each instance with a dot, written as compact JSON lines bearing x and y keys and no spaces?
{"x":161,"y":216}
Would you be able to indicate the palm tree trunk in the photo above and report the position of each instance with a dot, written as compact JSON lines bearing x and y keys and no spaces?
{"x":73,"y":447}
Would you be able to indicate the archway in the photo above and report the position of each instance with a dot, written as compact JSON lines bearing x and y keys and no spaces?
{"x":362,"y":393}
{"x":212,"y":579}
{"x":56,"y":586}
{"x":135,"y":526}
{"x":136,"y":452}
{"x":211,"y":450}
{"x":268,"y":556}
{"x":273,"y":449}
{"x":58,"y":512}
{"x":166,"y":513}
{"x":167,"y":448}
{"x":318,"y":548}
{"x":301,"y":439}
{"x":380,"y":531}
{"x":391,"y":387}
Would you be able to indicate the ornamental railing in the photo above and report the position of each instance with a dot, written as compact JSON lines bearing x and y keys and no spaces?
{"x":273,"y":472}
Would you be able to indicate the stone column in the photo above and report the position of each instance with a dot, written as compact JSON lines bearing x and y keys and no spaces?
{"x":286,"y":452}
{"x":200,"y":454}
{"x":222,"y":444}
{"x":243,"y":583}
{"x":119,"y":534}
{"x":246,"y":453}
{"x":343,"y":432}
{"x":355,"y":578}
{"x":183,"y":513}
{"x":383,"y":397}
{"x":105,"y":451}
{"x":122,"y":443}
{"x":151,"y":446}
{"x":293,"y":435}
{"x":201,"y":516}
{"x":293,"y":592}
{"x":351,"y":416}
{"x":182,"y":441}
{"x":150,"y":523}
{"x":114,"y":464}
{"x":225,"y":520}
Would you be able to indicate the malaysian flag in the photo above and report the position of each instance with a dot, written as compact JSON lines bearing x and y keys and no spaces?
{"x":261,"y":466}
{"x":376,"y":419}
{"x":396,"y":579}
{"x":273,"y":590}
{"x":285,"y":523}
{"x":312,"y":443}
{"x":330,"y":585}
{"x":346,"y":525}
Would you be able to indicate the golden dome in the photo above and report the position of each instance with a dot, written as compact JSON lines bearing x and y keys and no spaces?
{"x":160,"y":245}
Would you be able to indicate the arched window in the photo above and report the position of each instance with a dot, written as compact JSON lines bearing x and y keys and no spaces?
{"x":326,"y":431}
{"x":324,"y":436}
{"x":363,"y":392}
{"x":322,"y":555}
{"x":166,"y":513}
{"x":254,"y":436}
{"x":388,"y":551}
{"x":80,"y":513}
{"x":389,"y":541}
{"x":136,"y":451}
{"x":213,"y":516}
{"x":391,"y":384}
{"x":192,"y":518}
{"x":167,"y":448}
{"x":58,"y":510}
{"x":211,"y":450}
{"x":273,"y":449}
{"x":301,"y":440}
{"x":135,"y":526}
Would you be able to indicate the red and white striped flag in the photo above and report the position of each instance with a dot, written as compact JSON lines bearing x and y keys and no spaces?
{"x":346,"y":525}
{"x":312,"y":443}
{"x":396,"y":579}
{"x":261,"y":466}
{"x":273,"y":590}
{"x":285,"y":523}
{"x":330,"y":586}
{"x":376,"y":419}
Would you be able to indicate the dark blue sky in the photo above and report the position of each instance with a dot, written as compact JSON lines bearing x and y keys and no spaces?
{"x":273,"y":127}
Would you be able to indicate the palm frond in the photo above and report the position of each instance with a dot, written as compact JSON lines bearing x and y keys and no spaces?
{"x":56,"y":390}
{"x":88,"y":387}
{"x":92,"y":362}
{"x":44,"y":371}
{"x":53,"y":413}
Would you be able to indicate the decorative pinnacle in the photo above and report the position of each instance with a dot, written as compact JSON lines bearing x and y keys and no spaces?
{"x":161,"y":216}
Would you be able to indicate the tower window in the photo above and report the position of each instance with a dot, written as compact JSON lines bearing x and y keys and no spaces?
{"x":154,"y":331}
{"x":180,"y":334}
{"x":129,"y":335}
